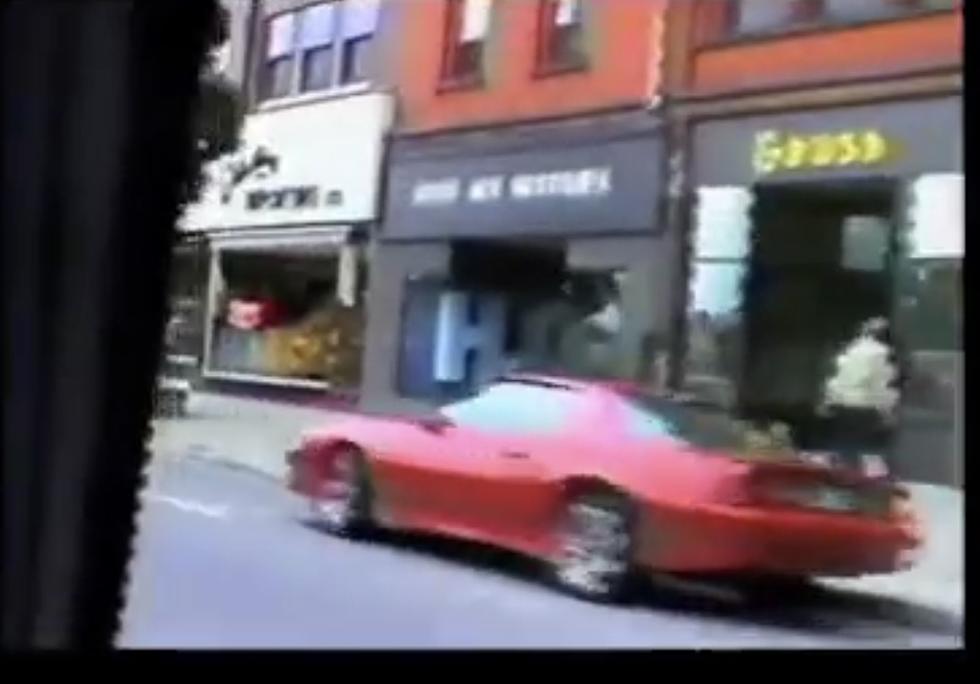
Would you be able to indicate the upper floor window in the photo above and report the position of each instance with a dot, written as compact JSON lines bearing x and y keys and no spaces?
{"x":278,"y":67}
{"x":318,"y":47}
{"x":873,"y":9}
{"x":466,"y":29}
{"x":761,"y":16}
{"x":359,"y":23}
{"x":560,"y":35}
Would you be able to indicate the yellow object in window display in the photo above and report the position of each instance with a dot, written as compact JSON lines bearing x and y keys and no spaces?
{"x":294,"y":352}
{"x":326,"y":345}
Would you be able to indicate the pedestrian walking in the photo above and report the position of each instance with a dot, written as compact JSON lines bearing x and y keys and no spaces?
{"x":861,"y":397}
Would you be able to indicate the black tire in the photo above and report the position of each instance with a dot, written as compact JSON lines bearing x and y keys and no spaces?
{"x":766,"y":589}
{"x":342,"y":503}
{"x":594,"y":560}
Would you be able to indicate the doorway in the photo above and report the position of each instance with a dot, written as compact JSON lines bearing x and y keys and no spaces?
{"x":821,"y":264}
{"x":519,"y":306}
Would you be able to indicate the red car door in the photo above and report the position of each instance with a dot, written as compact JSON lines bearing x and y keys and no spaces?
{"x":432,"y":478}
{"x":508,"y":443}
{"x":518,"y":486}
{"x":470,"y":482}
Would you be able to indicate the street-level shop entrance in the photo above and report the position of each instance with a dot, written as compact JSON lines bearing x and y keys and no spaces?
{"x":522,"y":306}
{"x":530,"y":246}
{"x":821,"y":263}
{"x":289,"y":316}
{"x":807,"y":222}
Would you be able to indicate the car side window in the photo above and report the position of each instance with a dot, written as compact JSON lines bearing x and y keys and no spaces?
{"x":647,"y":424}
{"x":516,"y":409}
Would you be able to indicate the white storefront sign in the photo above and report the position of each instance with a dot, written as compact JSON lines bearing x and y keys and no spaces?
{"x":573,"y":183}
{"x":321,"y":164}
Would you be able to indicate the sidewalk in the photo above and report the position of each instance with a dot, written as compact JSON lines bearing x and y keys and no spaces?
{"x":937,"y":580}
{"x":245,"y":432}
{"x":255,"y":434}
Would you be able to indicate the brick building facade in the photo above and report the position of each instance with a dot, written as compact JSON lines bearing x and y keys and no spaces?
{"x":522,"y":219}
{"x":819,"y":168}
{"x":608,"y":187}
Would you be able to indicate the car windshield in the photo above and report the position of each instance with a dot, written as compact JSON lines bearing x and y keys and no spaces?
{"x":693,"y":425}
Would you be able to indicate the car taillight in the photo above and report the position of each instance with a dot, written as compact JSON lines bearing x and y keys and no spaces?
{"x":901,"y":506}
{"x":903,"y":512}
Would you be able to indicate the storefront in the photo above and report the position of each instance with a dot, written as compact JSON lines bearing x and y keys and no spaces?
{"x":531,"y":247}
{"x":807,"y":223}
{"x":187,"y":297}
{"x":289,"y":219}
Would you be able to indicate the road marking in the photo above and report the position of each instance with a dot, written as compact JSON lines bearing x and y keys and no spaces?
{"x":211,"y":511}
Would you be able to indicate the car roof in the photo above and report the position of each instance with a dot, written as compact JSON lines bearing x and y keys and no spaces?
{"x":557,"y":381}
{"x":621,"y":388}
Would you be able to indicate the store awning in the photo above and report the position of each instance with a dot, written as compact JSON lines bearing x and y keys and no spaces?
{"x":278,"y":241}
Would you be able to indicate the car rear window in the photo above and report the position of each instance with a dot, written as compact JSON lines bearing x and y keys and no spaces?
{"x":704,"y":427}
{"x":512,"y":407}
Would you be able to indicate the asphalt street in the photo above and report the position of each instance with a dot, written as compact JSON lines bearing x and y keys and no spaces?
{"x":224,"y":560}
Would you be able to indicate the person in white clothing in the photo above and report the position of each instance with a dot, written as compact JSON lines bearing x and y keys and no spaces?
{"x":861,"y":397}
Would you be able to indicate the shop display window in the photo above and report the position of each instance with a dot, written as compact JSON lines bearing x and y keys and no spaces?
{"x":586,"y":323}
{"x":930,"y":330}
{"x":719,"y":267}
{"x":281,"y":317}
{"x":930,"y":293}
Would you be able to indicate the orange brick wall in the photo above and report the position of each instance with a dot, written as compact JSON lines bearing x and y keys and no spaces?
{"x":623,"y":69}
{"x":703,"y":64}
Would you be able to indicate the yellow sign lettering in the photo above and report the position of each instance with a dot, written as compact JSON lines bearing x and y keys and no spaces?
{"x":777,"y":151}
{"x":795,"y":155}
{"x":823,"y":150}
{"x":768,"y":152}
{"x":875,"y":147}
{"x":848,"y":150}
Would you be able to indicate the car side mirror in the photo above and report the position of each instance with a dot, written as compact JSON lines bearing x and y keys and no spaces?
{"x":435,"y":424}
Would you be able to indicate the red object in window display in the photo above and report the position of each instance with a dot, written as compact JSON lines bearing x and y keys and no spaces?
{"x":247,"y":314}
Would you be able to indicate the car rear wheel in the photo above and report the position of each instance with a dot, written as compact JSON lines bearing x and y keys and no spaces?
{"x":341,"y":501}
{"x":595,"y":547}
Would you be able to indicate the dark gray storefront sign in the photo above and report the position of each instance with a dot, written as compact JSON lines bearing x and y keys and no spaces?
{"x":583,"y":187}
{"x":898,"y":139}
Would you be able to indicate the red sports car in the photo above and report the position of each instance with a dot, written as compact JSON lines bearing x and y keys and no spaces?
{"x":599,"y":482}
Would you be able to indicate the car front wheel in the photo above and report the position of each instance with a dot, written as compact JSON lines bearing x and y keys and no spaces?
{"x":594,"y":555}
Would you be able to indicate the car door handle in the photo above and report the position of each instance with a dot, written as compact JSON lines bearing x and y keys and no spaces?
{"x":514,"y":454}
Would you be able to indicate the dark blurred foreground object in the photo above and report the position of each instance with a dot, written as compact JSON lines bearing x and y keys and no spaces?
{"x":97,"y":101}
